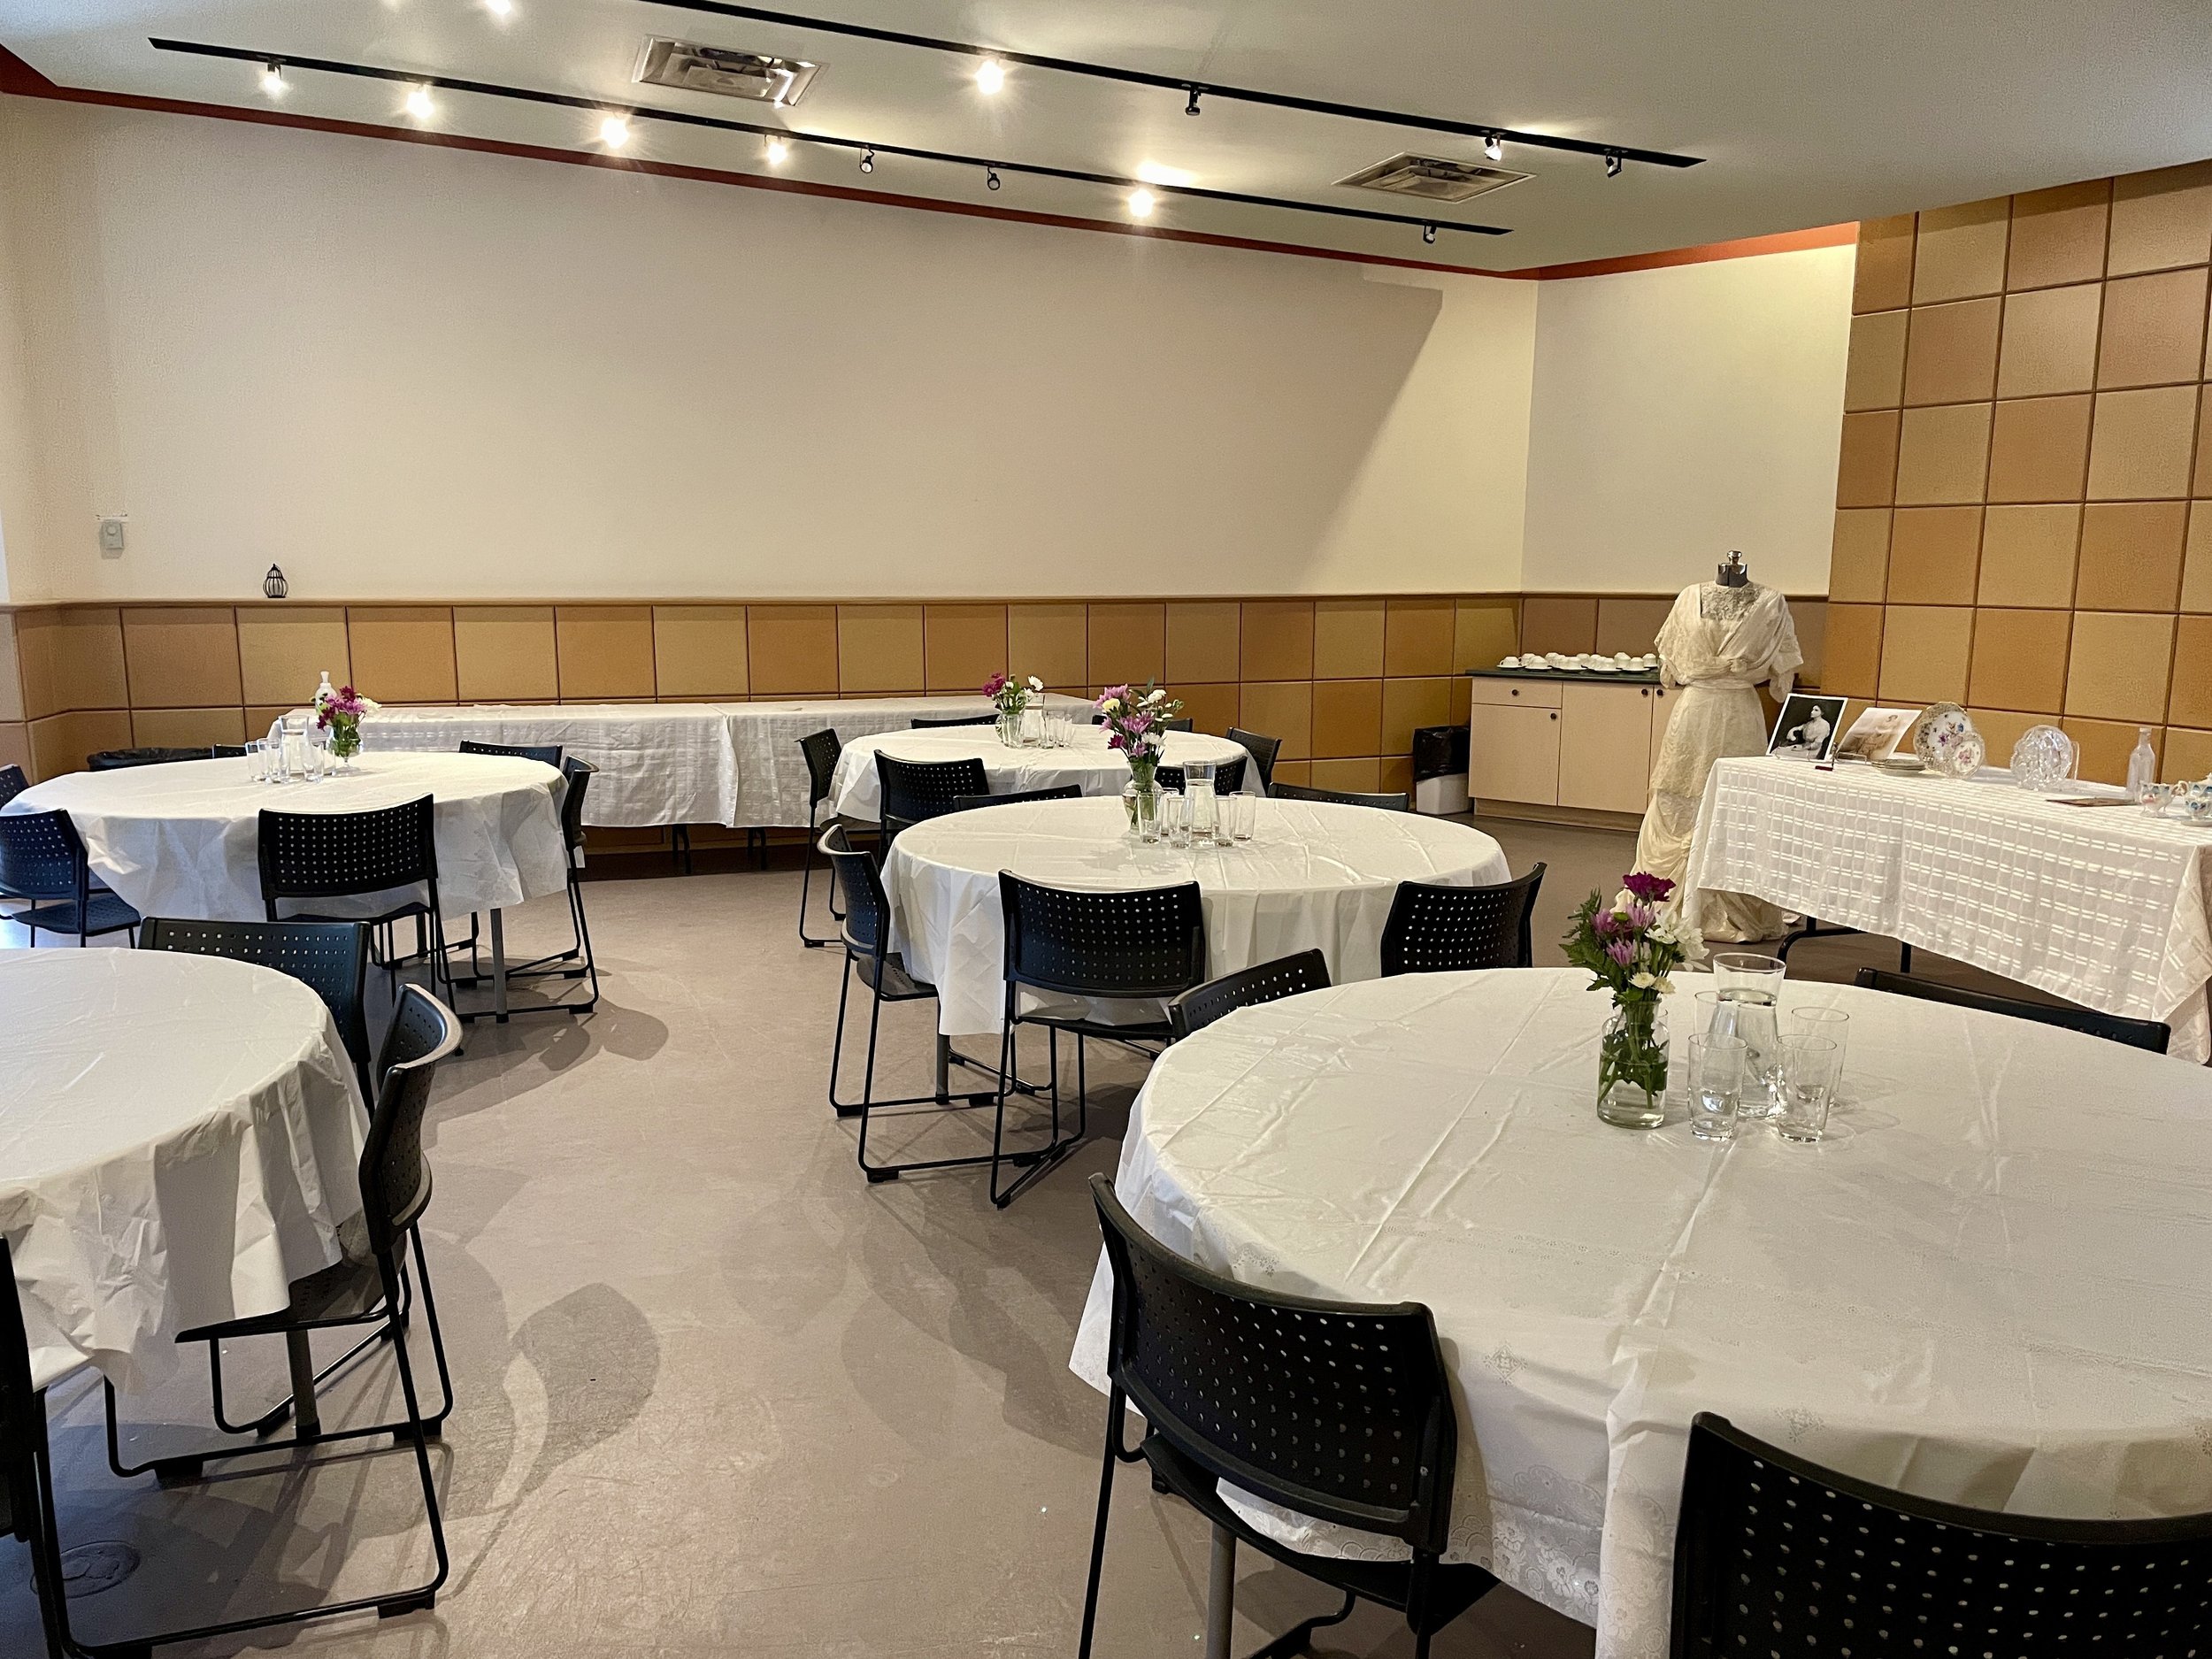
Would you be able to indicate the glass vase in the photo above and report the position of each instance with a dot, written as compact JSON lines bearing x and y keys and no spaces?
{"x":1633,"y":1066}
{"x":1010,"y":727}
{"x":345,"y":741}
{"x":1144,"y":797}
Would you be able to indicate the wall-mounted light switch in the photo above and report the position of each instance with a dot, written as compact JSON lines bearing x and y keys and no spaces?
{"x":111,"y":536}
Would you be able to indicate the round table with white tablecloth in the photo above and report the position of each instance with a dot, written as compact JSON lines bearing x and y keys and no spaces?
{"x":182,"y":839}
{"x":1316,"y":875}
{"x":1987,"y":1286}
{"x":1086,"y":763}
{"x":178,"y":1138}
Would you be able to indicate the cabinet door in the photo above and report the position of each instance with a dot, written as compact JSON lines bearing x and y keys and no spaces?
{"x":1513,"y":754}
{"x":1605,"y":747}
{"x":1663,"y":701}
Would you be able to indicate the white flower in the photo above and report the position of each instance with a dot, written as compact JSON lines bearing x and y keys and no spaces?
{"x":1112,"y":705}
{"x":1036,"y":684}
{"x":1643,"y":981}
{"x":1666,"y":987}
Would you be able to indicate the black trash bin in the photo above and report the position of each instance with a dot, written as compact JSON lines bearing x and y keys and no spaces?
{"x":1440,"y":769}
{"x":114,"y":759}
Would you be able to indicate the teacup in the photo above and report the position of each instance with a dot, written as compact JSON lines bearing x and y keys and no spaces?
{"x":2158,"y":798}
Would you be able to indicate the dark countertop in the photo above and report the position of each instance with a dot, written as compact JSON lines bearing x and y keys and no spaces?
{"x":1579,"y":676}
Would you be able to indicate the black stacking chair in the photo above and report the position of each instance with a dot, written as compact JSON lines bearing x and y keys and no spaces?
{"x":1344,"y":797}
{"x":1247,"y":987}
{"x":1145,"y":945}
{"x":1058,"y":792}
{"x":925,"y":722}
{"x":2136,"y":1034}
{"x":12,"y":783}
{"x":821,"y":750}
{"x":1775,"y":1554}
{"x":331,"y":958}
{"x":545,"y":754}
{"x":308,"y":856}
{"x":1434,"y":928}
{"x":1262,"y":751}
{"x":866,"y":939}
{"x":577,"y":962}
{"x":394,"y":1193}
{"x":1338,"y":1410}
{"x":42,"y":859}
{"x":1228,"y":777}
{"x":226,"y":751}
{"x":912,"y":790}
{"x":116,"y":759}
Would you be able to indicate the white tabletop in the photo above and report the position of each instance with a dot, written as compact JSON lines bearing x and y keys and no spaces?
{"x":2106,"y":906}
{"x":182,"y":839}
{"x":178,"y":1138}
{"x":1086,"y":763}
{"x":1316,"y":875}
{"x":1988,"y":1287}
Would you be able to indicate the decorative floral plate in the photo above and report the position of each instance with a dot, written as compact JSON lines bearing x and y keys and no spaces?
{"x":1942,"y":732}
{"x":2044,"y":757}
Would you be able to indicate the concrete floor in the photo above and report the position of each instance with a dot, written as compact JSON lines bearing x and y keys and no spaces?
{"x":715,"y":1394}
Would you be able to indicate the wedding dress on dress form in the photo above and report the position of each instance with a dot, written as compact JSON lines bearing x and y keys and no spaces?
{"x":1717,"y":645}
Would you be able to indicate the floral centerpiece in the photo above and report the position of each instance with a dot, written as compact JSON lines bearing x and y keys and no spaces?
{"x":1630,"y":947}
{"x":1136,"y":725}
{"x":338,"y":713}
{"x":1012,"y":696}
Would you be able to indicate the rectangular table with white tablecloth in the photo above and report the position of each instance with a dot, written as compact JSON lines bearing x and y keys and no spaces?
{"x":2105,"y":906}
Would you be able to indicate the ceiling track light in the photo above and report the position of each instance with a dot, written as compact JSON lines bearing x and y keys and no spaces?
{"x":1428,"y":232}
{"x":1142,"y":203}
{"x":990,"y":178}
{"x":1612,"y":164}
{"x":614,"y":131}
{"x":500,"y":8}
{"x":1132,"y":77}
{"x":1493,"y":146}
{"x":990,"y":75}
{"x":419,"y":102}
{"x":777,"y":150}
{"x":272,"y":79}
{"x":777,"y":140}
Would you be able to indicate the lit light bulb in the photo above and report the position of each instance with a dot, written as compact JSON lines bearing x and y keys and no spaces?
{"x":990,"y":75}
{"x":614,"y":132}
{"x":778,"y":152}
{"x":418,"y":104}
{"x":272,"y":80}
{"x":500,"y":8}
{"x":1493,"y":147}
{"x":1142,"y":203}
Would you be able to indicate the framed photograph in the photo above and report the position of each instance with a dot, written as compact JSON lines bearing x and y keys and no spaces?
{"x":1806,"y":728}
{"x":1876,"y":733}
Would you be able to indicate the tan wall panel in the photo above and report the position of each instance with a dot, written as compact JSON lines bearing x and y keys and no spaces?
{"x":1858,"y":558}
{"x":181,"y":656}
{"x":1960,"y":251}
{"x":2143,"y":443}
{"x":2020,"y":662}
{"x":1419,"y":637}
{"x":1925,"y":649}
{"x":1563,"y":623}
{"x":283,"y":651}
{"x":1874,"y":376}
{"x":2058,"y":235}
{"x":2028,"y":555}
{"x":187,"y":728}
{"x":1942,"y":454}
{"x":1364,"y":776}
{"x":1953,"y":355}
{"x":1630,"y":624}
{"x":2191,"y":703}
{"x":792,"y":649}
{"x":1208,"y":707}
{"x":2161,"y":219}
{"x":11,"y":675}
{"x":60,"y":743}
{"x":1049,"y":641}
{"x":504,"y":653}
{"x":1866,"y":469}
{"x":963,"y":645}
{"x":699,"y":651}
{"x":2196,"y":570}
{"x":402,"y":653}
{"x":72,"y":658}
{"x":1408,"y":704}
{"x":1280,"y":709}
{"x":1347,"y":638}
{"x":2117,"y":668}
{"x":605,"y":653}
{"x":1882,"y":280}
{"x":1127,"y":643}
{"x":1483,"y":632}
{"x":2131,"y":555}
{"x":1346,"y":717}
{"x":2188,"y":755}
{"x":15,"y":746}
{"x":2105,"y":746}
{"x":880,"y":648}
{"x":1278,"y":639}
{"x":1203,"y":640}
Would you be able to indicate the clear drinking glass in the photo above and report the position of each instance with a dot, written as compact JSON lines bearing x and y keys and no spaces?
{"x":1244,"y":810}
{"x":311,"y":755}
{"x":1832,"y":1023}
{"x":1717,"y":1075}
{"x":1809,"y":1068}
{"x":1174,"y":818}
{"x":256,"y":767}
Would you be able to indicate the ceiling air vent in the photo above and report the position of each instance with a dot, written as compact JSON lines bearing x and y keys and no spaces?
{"x":725,"y":73}
{"x":1432,"y":179}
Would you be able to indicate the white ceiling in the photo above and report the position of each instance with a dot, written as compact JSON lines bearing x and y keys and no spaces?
{"x":1807,"y":111}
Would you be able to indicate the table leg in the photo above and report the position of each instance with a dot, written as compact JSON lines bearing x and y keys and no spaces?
{"x":944,"y":1066}
{"x":499,"y":967}
{"x":307,"y":1418}
{"x":1221,"y":1595}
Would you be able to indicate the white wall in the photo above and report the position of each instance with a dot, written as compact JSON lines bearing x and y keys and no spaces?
{"x":1681,"y":412}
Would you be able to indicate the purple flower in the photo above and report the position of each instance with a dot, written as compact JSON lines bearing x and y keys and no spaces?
{"x":1650,"y":888}
{"x":1641,"y":916}
{"x":1622,"y":952}
{"x":1603,"y":923}
{"x":996,"y":684}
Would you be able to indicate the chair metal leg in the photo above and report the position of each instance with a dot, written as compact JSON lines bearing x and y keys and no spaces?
{"x":1098,"y":1528}
{"x":806,"y":881}
{"x":1037,"y":1162}
{"x":1300,"y":1637}
{"x":1221,"y":1593}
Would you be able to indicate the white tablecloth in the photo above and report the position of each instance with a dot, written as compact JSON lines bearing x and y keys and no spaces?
{"x":774,"y":781}
{"x":178,"y":1138}
{"x":1314,"y":876}
{"x":183,"y":839}
{"x":659,"y":763}
{"x":1086,"y":763}
{"x":1989,"y":1287}
{"x":2105,"y":906}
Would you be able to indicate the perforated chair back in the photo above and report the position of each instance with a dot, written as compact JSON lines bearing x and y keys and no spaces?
{"x":395,"y":1175}
{"x":545,"y":754}
{"x":41,"y":855}
{"x":324,"y":855}
{"x":1336,"y":1410}
{"x":1342,"y":797}
{"x":1434,"y":928}
{"x":821,"y":750}
{"x":116,"y":759}
{"x":1228,"y":777}
{"x":1262,"y":751}
{"x":925,"y":722}
{"x":580,"y":774}
{"x":1247,"y":987}
{"x":2136,"y":1034}
{"x":12,"y":783}
{"x":1147,"y":942}
{"x":1775,"y":1554}
{"x":860,"y":891}
{"x":330,"y":958}
{"x":1058,"y":792}
{"x":916,"y":789}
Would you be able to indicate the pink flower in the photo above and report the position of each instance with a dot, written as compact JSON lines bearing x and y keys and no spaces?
{"x":1622,"y":951}
{"x":996,"y":684}
{"x":1641,"y":916}
{"x":1650,"y":888}
{"x":1603,"y":923}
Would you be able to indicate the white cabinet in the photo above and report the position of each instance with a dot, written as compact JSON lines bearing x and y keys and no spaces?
{"x":1589,"y":746}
